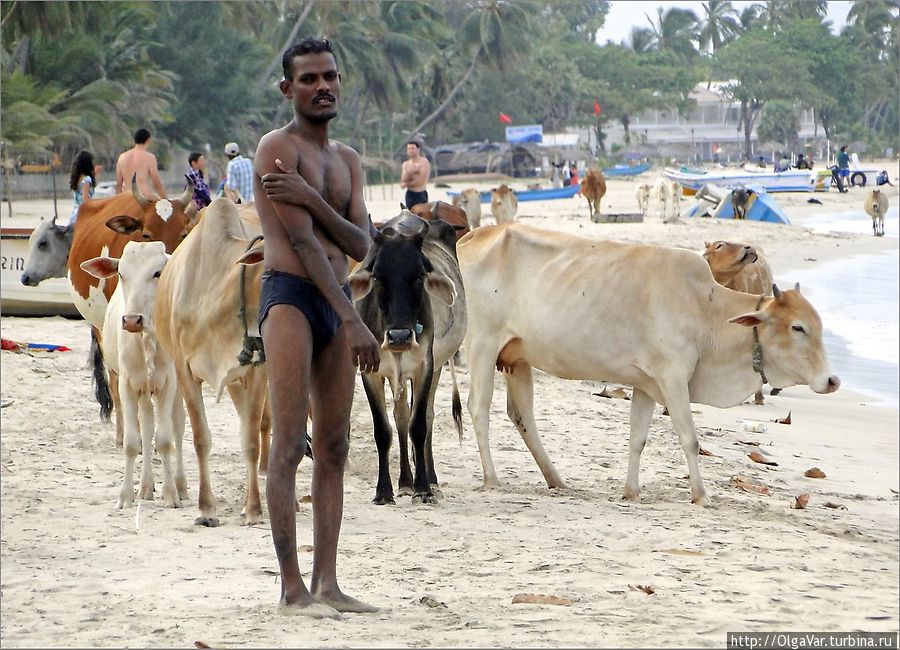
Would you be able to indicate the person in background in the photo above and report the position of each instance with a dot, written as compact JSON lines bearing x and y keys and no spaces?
{"x":783,"y":164}
{"x":139,"y":163}
{"x":238,"y":176}
{"x":760,"y":162}
{"x":802,"y":163}
{"x":82,"y":182}
{"x":414,"y":175}
{"x":197,"y":163}
{"x":567,"y":174}
{"x":843,"y":165}
{"x":574,"y":174}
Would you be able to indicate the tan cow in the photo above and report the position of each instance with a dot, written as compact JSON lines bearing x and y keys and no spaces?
{"x":504,"y":204}
{"x":740,"y":267}
{"x":876,"y":206}
{"x":470,"y":202}
{"x":642,"y":194}
{"x":593,"y":188}
{"x":145,"y":371}
{"x":206,"y":320}
{"x":650,"y":317}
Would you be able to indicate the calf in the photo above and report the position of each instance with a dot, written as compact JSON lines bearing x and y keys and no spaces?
{"x":469,"y":201}
{"x":146,"y":373}
{"x":740,"y":267}
{"x":504,"y":204}
{"x":409,"y":293}
{"x":660,"y":323}
{"x":593,"y":188}
{"x":876,"y":206}
{"x":642,"y":194}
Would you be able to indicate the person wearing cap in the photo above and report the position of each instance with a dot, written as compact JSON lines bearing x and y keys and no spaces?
{"x":238,"y":175}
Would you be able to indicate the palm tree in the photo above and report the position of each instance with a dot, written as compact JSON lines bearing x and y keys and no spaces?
{"x":876,"y":22}
{"x":751,"y":17}
{"x":495,"y":33}
{"x":776,"y":13}
{"x":719,"y":26}
{"x":641,"y":40}
{"x":675,"y":30}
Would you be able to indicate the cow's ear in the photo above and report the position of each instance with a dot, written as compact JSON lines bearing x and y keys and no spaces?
{"x":101,"y":267}
{"x":750,"y":320}
{"x":360,"y":284}
{"x":440,"y":286}
{"x":124,"y":225}
{"x":253,"y":256}
{"x":191,"y":212}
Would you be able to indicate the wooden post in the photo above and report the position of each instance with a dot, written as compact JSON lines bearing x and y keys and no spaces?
{"x":380,"y":166}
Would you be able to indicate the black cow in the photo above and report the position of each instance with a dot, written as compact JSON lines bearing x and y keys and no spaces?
{"x":409,"y":293}
{"x":740,"y":201}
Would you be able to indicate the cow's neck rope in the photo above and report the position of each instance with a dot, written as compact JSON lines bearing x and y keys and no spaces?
{"x":757,"y":355}
{"x":251,"y":344}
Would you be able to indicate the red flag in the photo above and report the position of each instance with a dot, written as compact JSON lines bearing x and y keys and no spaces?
{"x":596,"y":107}
{"x":505,"y":119}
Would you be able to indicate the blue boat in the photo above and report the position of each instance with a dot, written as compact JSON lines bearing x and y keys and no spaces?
{"x":536,"y":195}
{"x":627,"y":170}
{"x":763,"y":208}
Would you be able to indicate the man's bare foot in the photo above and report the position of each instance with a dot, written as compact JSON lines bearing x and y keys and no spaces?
{"x":344,"y":603}
{"x":310,"y":608}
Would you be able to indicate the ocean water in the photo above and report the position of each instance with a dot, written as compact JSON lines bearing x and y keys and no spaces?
{"x":858,"y":299}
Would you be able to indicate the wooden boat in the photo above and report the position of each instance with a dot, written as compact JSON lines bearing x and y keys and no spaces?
{"x":49,"y":298}
{"x":794,"y":180}
{"x":536,"y":195}
{"x":627,"y":170}
{"x":715,"y":201}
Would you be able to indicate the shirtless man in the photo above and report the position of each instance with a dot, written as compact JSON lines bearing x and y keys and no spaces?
{"x":414,"y":175}
{"x":138,"y":160}
{"x":312,"y":219}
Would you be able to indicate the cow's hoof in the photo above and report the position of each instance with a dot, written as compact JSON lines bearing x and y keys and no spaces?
{"x":209,"y":522}
{"x":383,"y":500}
{"x":631,"y":495}
{"x":404,"y":491}
{"x":699,"y":500}
{"x":424,"y":497}
{"x":436,"y":491}
{"x":147,"y":492}
{"x":125,"y":501}
{"x":775,"y":391}
{"x":252,"y":519}
{"x":171,"y":499}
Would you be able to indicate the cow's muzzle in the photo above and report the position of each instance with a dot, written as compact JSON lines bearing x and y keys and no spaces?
{"x":133,"y":323}
{"x":400,"y":339}
{"x":28,"y":281}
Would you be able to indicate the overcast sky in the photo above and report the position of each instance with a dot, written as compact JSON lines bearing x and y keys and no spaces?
{"x":625,"y":14}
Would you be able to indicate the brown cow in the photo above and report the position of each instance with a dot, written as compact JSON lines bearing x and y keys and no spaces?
{"x":102,"y":229}
{"x":743,"y":268}
{"x":593,"y":188}
{"x":453,"y":215}
{"x":504,"y":204}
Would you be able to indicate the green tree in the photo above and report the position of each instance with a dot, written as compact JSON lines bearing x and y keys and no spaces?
{"x":719,"y":26}
{"x":675,"y":30}
{"x":780,"y":122}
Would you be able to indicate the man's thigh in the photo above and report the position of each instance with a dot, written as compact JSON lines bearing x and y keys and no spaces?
{"x":288,"y":342}
{"x":332,"y":383}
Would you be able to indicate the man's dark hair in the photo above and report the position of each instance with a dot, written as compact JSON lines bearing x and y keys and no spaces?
{"x":418,"y":146}
{"x":194,"y":157}
{"x":141,"y":136}
{"x":309,"y":45}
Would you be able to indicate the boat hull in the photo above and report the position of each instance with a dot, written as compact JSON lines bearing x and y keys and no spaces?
{"x":50,"y":298}
{"x":789,"y":181}
{"x":627,"y":170}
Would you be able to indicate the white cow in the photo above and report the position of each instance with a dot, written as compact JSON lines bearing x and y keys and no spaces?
{"x":504,"y":204}
{"x":146,"y":373}
{"x":662,"y":190}
{"x":469,"y":201}
{"x":658,"y":321}
{"x":876,"y":206}
{"x":642,"y":194}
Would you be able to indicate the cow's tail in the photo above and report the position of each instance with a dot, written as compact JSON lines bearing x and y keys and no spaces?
{"x":457,"y":403}
{"x":100,"y":381}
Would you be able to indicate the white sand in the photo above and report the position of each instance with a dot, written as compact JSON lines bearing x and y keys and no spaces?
{"x":76,"y":572}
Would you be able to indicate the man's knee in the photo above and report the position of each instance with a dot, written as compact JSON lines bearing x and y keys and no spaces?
{"x":332,"y":447}
{"x":288,"y":449}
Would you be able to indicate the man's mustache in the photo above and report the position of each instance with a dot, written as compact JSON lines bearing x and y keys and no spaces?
{"x":324,"y":96}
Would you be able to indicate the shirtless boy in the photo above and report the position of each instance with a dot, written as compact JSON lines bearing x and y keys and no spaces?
{"x":414,"y":175}
{"x":138,"y":160}
{"x":312,"y":219}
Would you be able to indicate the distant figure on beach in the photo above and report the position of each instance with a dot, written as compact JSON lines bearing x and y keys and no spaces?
{"x":238,"y":175}
{"x":783,"y":164}
{"x":82,"y":182}
{"x":414,"y":175}
{"x":843,"y":165}
{"x":556,"y":176}
{"x":802,"y":163}
{"x":760,"y":162}
{"x":140,"y":162}
{"x":197,"y":163}
{"x":574,"y":174}
{"x":313,"y":216}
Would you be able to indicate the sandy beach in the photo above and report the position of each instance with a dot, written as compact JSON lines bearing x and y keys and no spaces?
{"x":77,"y":572}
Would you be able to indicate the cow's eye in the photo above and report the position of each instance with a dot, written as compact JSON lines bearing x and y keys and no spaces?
{"x":719,"y":246}
{"x":146,"y":236}
{"x":42,"y":245}
{"x":157,"y":274}
{"x":798,"y":328}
